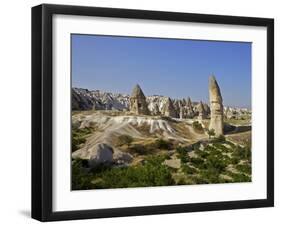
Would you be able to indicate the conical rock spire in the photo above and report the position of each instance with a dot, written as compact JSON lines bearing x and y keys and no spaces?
{"x":138,"y":104}
{"x":216,"y":107}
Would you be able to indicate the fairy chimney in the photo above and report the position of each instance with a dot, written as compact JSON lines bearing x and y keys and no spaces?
{"x":216,"y":107}
{"x":138,"y":103}
{"x":169,"y":109}
{"x":190,"y":112}
{"x":202,"y":112}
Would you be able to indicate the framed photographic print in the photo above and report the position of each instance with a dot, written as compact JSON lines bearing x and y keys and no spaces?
{"x":145,"y":112}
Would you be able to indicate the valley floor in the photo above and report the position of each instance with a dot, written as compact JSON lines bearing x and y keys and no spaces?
{"x":154,"y":151}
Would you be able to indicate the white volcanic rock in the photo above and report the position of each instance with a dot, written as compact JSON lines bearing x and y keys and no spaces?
{"x":202,"y":113}
{"x":138,"y":104}
{"x":83,"y":99}
{"x":121,"y":157}
{"x":169,"y":109}
{"x":97,"y":154}
{"x":216,"y":122}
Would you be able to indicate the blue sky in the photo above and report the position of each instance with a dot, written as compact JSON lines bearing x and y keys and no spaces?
{"x":169,"y":67}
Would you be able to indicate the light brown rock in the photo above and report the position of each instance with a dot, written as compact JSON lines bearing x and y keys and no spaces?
{"x":216,"y":107}
{"x":169,"y":109}
{"x":202,"y":113}
{"x":138,"y":104}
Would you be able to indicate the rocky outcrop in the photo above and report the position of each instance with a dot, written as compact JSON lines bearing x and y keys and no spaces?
{"x":138,"y":104}
{"x":189,"y":109}
{"x":201,"y":111}
{"x":83,"y":99}
{"x":216,"y":107}
{"x":81,"y":102}
{"x":97,"y":154}
{"x":169,"y":109}
{"x":122,"y":158}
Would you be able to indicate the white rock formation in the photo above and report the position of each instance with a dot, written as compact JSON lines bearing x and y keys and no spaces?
{"x":97,"y":154}
{"x":138,"y":104}
{"x":216,"y":107}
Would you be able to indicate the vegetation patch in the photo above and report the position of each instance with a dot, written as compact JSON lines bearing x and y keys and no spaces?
{"x":79,"y":137}
{"x":151,"y":173}
{"x":197,"y":127}
{"x":124,"y":140}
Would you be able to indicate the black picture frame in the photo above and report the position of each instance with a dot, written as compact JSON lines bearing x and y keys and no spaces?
{"x":42,"y":111}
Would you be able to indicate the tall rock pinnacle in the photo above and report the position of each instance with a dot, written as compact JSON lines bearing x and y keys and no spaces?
{"x":169,"y":109}
{"x":138,"y":103}
{"x":216,"y":107}
{"x":202,"y":113}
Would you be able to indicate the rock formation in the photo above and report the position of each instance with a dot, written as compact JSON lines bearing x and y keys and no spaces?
{"x":97,"y":154}
{"x":138,"y":103}
{"x":216,"y":107}
{"x":202,"y":112}
{"x":189,"y":109}
{"x":169,"y":109}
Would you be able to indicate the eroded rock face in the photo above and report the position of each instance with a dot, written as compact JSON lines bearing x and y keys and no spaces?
{"x":202,"y":112}
{"x":120,"y":157}
{"x":138,"y":104}
{"x":216,"y":107}
{"x":169,"y":109}
{"x":100,"y":153}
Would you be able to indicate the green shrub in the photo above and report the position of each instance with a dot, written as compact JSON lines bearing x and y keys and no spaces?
{"x":151,"y":173}
{"x":210,"y":175}
{"x":219,"y":139}
{"x":211,"y":133}
{"x":162,"y":144}
{"x":245,"y":168}
{"x":202,"y":154}
{"x":242,"y":152}
{"x":124,"y":140}
{"x":197,"y":126}
{"x":239,"y":177}
{"x":80,"y":178}
{"x":182,"y":154}
{"x":215,"y":162}
{"x":188,"y":170}
{"x":139,"y":149}
{"x":197,"y":162}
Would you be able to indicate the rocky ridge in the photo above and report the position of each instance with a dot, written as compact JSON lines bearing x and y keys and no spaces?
{"x":84,"y":99}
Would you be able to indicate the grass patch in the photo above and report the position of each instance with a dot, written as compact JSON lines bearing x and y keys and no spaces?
{"x":79,"y":137}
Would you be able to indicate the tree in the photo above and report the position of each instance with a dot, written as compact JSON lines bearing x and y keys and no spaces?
{"x":211,"y":133}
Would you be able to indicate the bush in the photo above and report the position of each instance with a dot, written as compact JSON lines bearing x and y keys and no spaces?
{"x":197,"y":126}
{"x":219,"y":139}
{"x":202,"y":154}
{"x":124,"y":139}
{"x":211,"y":133}
{"x":245,"y":168}
{"x":182,"y":154}
{"x":239,"y":177}
{"x":242,"y":152}
{"x":80,"y":179}
{"x":188,"y":170}
{"x":152,"y":173}
{"x":216,"y":162}
{"x":197,"y":162}
{"x":139,"y":149}
{"x":162,"y":144}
